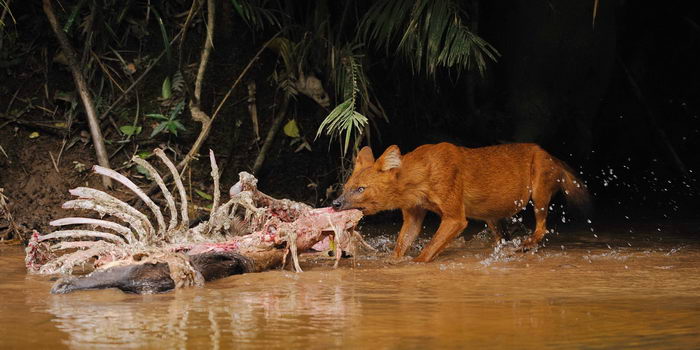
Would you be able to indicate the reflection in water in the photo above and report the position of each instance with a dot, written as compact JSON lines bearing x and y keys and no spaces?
{"x":246,"y":310}
{"x":641,"y":292}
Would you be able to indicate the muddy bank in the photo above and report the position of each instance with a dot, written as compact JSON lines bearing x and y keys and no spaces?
{"x":34,"y":186}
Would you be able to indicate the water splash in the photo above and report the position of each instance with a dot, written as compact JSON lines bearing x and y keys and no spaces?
{"x":504,"y":251}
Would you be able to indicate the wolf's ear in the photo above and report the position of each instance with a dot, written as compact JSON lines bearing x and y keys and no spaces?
{"x":364,"y":158}
{"x":391,"y":159}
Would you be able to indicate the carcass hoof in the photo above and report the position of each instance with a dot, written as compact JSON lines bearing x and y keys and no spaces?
{"x":344,"y":254}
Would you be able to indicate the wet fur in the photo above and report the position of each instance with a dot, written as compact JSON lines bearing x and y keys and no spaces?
{"x":487,"y":183}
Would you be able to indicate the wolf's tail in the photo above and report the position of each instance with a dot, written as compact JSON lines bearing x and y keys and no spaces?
{"x":574,"y":189}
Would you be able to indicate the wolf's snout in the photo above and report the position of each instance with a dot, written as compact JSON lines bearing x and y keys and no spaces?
{"x":337,"y":203}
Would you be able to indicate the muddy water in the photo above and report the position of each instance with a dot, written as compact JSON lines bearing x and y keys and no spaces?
{"x":641,"y":292}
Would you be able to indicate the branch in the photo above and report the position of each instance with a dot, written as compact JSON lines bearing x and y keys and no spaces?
{"x":253,"y":109}
{"x":215,"y":176}
{"x":195,"y":107}
{"x":206,"y":52}
{"x":196,"y":4}
{"x":81,"y":84}
{"x":137,"y":81}
{"x":276,"y":124}
{"x":204,"y":133}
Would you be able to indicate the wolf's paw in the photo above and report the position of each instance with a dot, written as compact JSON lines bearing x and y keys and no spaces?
{"x":394,"y":260}
{"x":529,"y":244}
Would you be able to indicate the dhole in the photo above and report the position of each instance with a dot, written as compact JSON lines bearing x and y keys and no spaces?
{"x":488,"y":183}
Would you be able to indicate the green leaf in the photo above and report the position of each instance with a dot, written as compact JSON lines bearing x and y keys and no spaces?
{"x":429,"y":34}
{"x":172,"y":128}
{"x":343,"y":121}
{"x":143,"y":171}
{"x":130,"y":130}
{"x":64,"y":96}
{"x":179,"y":125}
{"x":156,"y":116}
{"x":203,"y":194}
{"x":164,"y":35}
{"x":144,"y":154}
{"x":159,"y":128}
{"x":291,"y":129}
{"x":166,"y":91}
{"x":237,"y":6}
{"x":256,"y":13}
{"x":177,"y":110}
{"x":73,"y":16}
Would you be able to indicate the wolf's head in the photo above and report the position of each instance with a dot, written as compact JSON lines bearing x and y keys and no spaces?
{"x":372,"y":184}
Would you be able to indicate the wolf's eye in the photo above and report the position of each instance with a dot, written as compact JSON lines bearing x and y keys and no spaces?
{"x":360,"y":189}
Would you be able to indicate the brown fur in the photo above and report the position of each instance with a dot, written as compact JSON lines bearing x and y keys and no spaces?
{"x":488,"y":183}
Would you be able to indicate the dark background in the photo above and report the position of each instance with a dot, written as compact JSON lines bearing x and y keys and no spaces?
{"x":615,"y":97}
{"x":569,"y":87}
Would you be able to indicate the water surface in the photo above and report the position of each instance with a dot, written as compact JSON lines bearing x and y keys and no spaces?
{"x":607,"y":292}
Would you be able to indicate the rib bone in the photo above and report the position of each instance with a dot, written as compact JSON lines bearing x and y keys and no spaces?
{"x":132,"y":186}
{"x":166,"y":193}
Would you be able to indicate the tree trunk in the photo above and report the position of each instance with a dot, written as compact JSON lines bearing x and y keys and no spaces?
{"x":81,"y":84}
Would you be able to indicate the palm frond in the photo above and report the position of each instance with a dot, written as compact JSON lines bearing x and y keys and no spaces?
{"x":257,"y":13}
{"x":344,"y":121}
{"x":429,"y":34}
{"x":293,"y":55}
